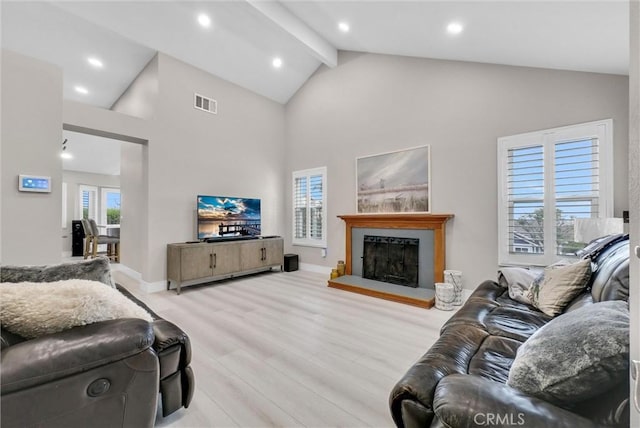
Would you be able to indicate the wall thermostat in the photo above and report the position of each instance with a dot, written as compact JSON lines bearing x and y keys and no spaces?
{"x":34,"y":183}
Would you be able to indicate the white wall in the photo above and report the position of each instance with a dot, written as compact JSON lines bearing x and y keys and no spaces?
{"x":238,"y":152}
{"x":634,"y":188}
{"x":74,"y":179}
{"x":371,"y":104}
{"x":133,"y":194}
{"x":31,"y":139}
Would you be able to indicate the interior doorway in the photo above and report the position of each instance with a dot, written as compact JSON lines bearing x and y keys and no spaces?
{"x":92,"y":186}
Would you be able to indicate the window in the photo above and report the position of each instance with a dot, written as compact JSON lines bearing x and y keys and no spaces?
{"x":88,"y":201}
{"x":546,"y":180}
{"x":309,"y":207}
{"x":110,"y":207}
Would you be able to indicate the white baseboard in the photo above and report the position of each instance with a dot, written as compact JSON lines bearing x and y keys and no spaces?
{"x":153,"y":287}
{"x":315,"y":268}
{"x":127,"y":271}
{"x":144,"y":286}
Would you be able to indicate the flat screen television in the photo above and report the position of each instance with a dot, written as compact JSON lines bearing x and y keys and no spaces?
{"x":222,"y":216}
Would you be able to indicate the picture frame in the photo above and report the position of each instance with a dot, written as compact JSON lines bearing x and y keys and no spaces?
{"x":394,"y":182}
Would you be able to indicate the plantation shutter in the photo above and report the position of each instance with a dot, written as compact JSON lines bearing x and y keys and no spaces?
{"x":547,"y":180}
{"x":577,"y":188}
{"x":309,"y":207}
{"x":525,"y":192}
{"x":85,"y":204}
{"x":300,"y":199}
{"x":315,"y":206}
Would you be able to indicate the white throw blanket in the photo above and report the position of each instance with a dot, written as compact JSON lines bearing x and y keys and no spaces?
{"x":32,"y":309}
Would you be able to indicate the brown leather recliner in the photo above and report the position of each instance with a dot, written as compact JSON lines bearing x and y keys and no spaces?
{"x":461,"y":380}
{"x":106,"y":374}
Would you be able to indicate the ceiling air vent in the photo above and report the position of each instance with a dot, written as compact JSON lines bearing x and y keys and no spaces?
{"x":206,"y":104}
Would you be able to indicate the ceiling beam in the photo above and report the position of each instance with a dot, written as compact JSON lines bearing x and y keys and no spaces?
{"x":286,"y":20}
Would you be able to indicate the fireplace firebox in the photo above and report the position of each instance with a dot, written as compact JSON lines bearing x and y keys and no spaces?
{"x":391,"y":259}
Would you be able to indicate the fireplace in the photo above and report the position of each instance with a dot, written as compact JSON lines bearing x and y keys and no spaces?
{"x":427,"y":231}
{"x":391,"y":259}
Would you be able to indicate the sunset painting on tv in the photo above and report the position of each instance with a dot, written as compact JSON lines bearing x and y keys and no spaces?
{"x":227,"y":216}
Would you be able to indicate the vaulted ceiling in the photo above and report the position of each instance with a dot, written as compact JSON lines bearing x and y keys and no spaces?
{"x":244,"y":37}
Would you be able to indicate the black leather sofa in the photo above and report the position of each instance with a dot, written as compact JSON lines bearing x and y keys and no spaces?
{"x":106,"y":374}
{"x":461,"y":380}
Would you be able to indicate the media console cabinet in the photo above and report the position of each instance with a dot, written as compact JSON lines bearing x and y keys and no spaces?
{"x":194,"y":263}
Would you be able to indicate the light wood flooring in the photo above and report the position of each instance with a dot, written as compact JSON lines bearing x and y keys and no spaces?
{"x":283,"y":349}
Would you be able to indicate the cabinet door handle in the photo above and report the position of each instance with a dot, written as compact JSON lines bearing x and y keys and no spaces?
{"x":210,"y":261}
{"x":215,"y":260}
{"x":263,"y":256}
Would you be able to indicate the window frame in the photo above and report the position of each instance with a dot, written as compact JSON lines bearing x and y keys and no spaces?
{"x":307,"y":241}
{"x":601,"y":130}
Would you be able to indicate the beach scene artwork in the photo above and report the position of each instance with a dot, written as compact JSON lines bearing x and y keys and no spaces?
{"x":394,"y":182}
{"x":222,"y":215}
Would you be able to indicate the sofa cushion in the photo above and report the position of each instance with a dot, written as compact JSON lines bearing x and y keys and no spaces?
{"x":97,"y":269}
{"x":515,"y":323}
{"x":575,"y":356}
{"x":33,"y":309}
{"x":494,"y":358}
{"x":560,"y":286}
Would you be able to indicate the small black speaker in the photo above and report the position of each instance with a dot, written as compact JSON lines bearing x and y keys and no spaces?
{"x":77,"y":236}
{"x":290,"y":262}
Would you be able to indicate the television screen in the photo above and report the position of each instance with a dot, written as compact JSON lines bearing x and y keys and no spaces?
{"x":220,"y":216}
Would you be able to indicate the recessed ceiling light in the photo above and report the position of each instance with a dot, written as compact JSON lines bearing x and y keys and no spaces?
{"x":344,"y":27}
{"x":277,"y":62}
{"x":66,"y":155}
{"x":95,"y":62}
{"x":455,"y":28}
{"x":81,"y":90}
{"x":204,"y":20}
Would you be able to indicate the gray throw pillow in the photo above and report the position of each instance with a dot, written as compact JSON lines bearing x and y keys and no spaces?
{"x":97,"y":269}
{"x":576,"y":356}
{"x":518,"y":281}
{"x":559,"y":287}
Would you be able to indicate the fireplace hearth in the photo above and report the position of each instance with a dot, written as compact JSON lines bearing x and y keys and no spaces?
{"x":391,"y":259}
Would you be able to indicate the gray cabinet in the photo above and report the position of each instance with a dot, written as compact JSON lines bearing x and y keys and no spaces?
{"x":202,"y":262}
{"x":261,"y":253}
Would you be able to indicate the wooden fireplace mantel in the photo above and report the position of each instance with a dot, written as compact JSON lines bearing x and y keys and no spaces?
{"x":435,"y":222}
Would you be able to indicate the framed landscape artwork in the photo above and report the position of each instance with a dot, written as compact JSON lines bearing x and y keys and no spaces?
{"x":394,"y":182}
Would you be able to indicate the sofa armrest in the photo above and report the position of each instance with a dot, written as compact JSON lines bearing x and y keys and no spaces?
{"x":473,"y":401}
{"x":411,"y":400}
{"x":168,"y":334}
{"x":176,"y":376}
{"x":55,"y":356}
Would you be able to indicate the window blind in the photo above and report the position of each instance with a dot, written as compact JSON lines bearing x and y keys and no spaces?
{"x":309,"y":207}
